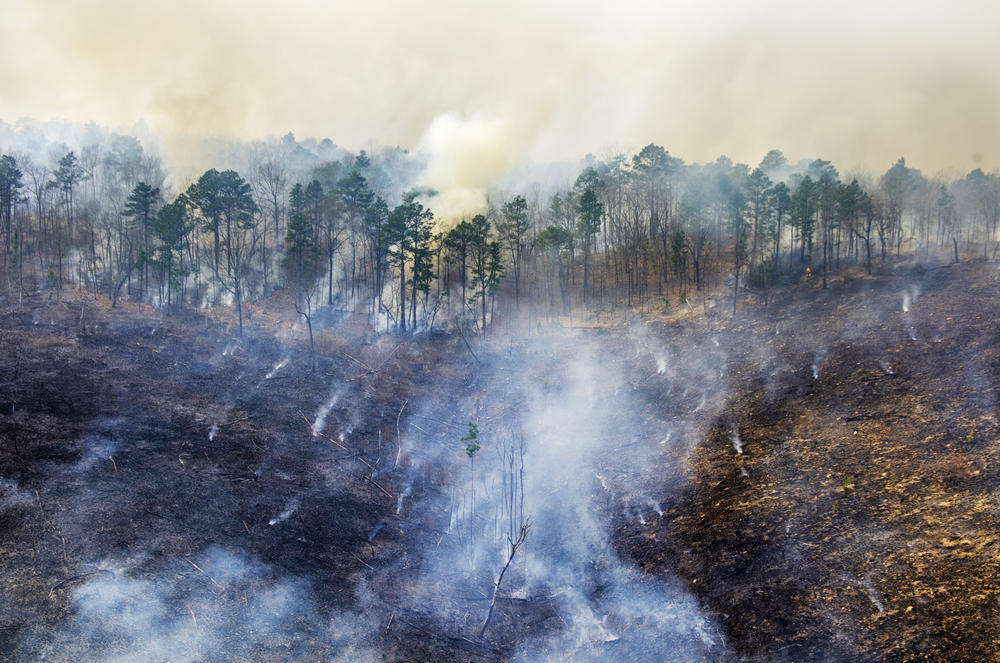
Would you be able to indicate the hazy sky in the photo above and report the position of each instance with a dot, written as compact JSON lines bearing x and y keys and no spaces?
{"x":859,"y":82}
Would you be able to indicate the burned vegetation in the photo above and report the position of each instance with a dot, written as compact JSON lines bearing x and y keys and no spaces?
{"x":813,"y":480}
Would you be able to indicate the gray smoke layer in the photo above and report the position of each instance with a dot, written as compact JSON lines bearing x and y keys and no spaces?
{"x":128,"y":602}
{"x":568,"y":426}
{"x":218,"y":606}
{"x":564,"y":78}
{"x":581,"y":436}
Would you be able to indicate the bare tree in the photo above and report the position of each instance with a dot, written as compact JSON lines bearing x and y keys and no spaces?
{"x":270,"y":183}
{"x":512,"y":548}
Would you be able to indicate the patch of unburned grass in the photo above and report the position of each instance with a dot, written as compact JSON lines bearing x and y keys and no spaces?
{"x":52,"y":341}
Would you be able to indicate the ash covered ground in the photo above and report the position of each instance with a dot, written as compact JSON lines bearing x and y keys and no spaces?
{"x":813,"y":480}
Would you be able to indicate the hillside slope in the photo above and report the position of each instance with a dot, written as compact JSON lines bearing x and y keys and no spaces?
{"x":814,"y":480}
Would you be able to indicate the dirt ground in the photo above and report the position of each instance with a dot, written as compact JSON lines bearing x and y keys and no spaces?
{"x":860,"y":522}
{"x":841,"y":507}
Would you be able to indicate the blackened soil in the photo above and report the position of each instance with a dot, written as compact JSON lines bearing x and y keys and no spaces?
{"x":860,"y":521}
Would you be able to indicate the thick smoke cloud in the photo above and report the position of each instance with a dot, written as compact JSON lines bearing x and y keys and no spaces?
{"x":466,"y":158}
{"x":219,"y":606}
{"x":858,"y":83}
{"x":569,"y":448}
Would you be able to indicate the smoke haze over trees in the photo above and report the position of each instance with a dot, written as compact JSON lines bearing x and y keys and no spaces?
{"x":646,"y":231}
{"x":484,"y":331}
{"x":855,"y":82}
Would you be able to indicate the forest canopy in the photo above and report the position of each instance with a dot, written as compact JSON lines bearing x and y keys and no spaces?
{"x":363,"y":233}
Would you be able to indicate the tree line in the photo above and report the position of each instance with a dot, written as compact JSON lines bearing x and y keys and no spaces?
{"x":645,"y":231}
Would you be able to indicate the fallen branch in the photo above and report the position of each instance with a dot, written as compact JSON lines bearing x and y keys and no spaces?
{"x":202,"y":421}
{"x":440,"y":421}
{"x":465,"y":643}
{"x":376,"y":484}
{"x":387,"y":357}
{"x":462,"y":334}
{"x":82,"y":576}
{"x":344,"y":355}
{"x":316,"y":433}
{"x":389,"y":625}
{"x":206,"y":575}
{"x":236,"y":421}
{"x":362,"y":561}
{"x":399,"y":434}
{"x":413,"y":425}
{"x":343,"y":448}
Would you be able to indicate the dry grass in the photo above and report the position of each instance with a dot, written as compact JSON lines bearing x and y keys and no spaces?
{"x":53,"y":341}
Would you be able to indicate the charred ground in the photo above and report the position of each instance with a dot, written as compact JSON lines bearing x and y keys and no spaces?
{"x":148,"y":457}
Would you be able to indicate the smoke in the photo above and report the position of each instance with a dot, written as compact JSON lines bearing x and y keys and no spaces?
{"x":319,"y":423}
{"x":582,"y":428}
{"x":550,"y":81}
{"x":569,"y":439}
{"x":11,"y":495}
{"x":588,"y":420}
{"x":734,"y":438}
{"x":277,"y":367}
{"x":96,"y":449}
{"x":139,"y":596}
{"x":285,"y":514}
{"x":215,"y":606}
{"x":466,"y":156}
{"x":602,"y":423}
{"x":647,"y":342}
